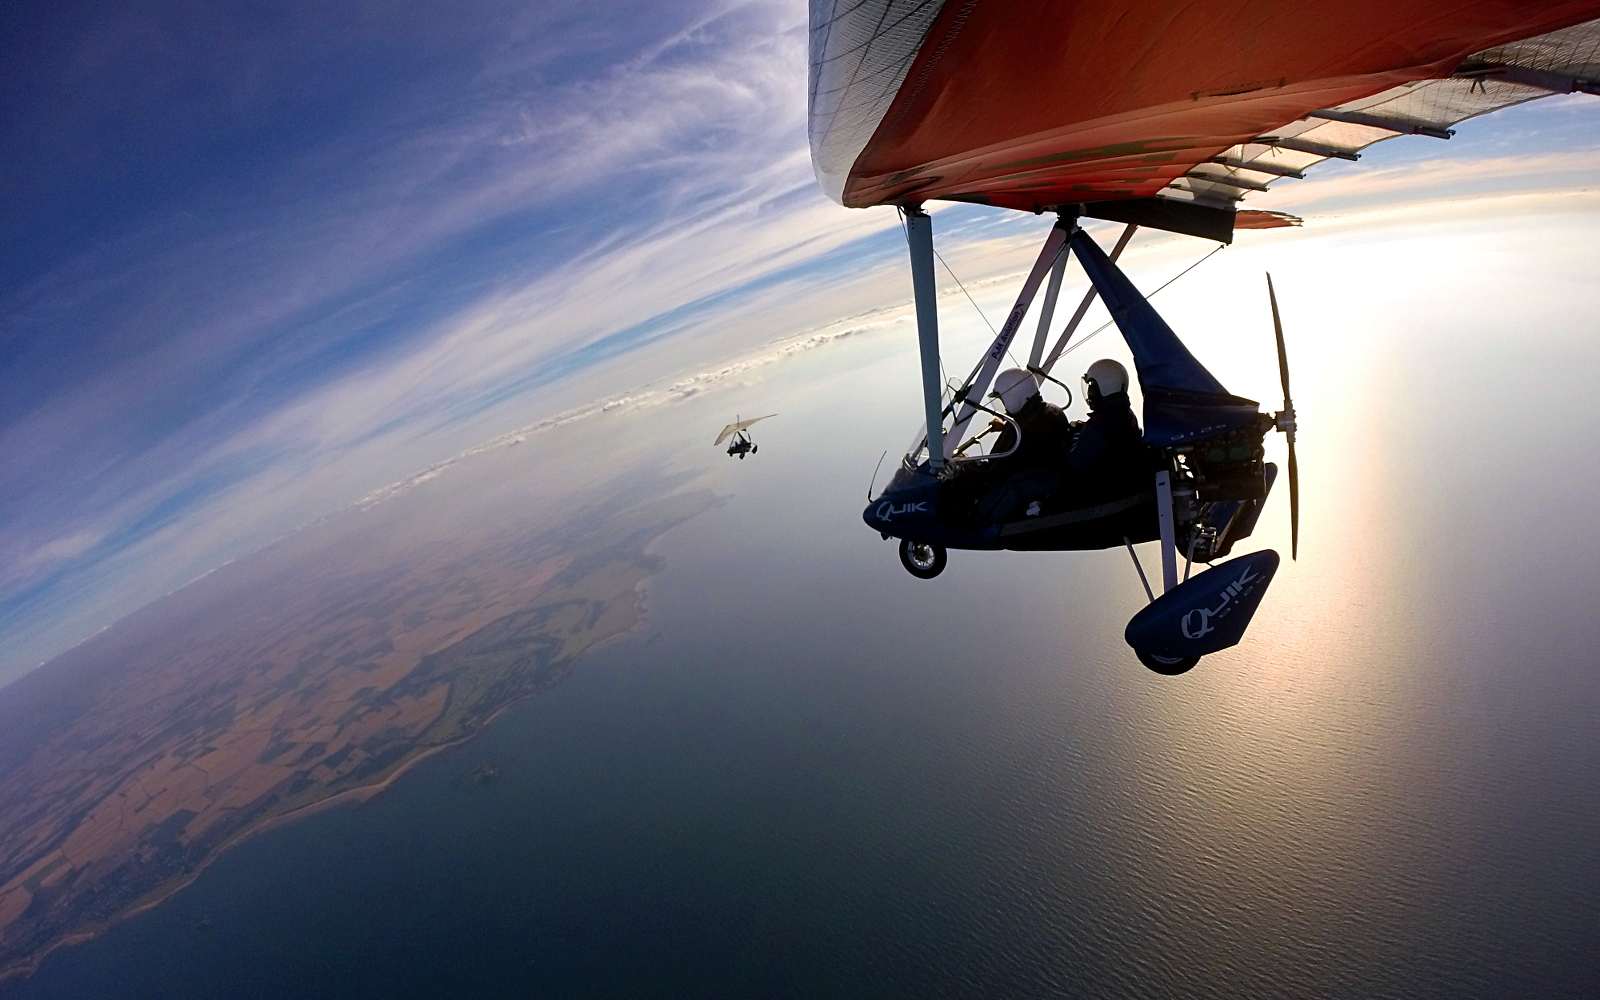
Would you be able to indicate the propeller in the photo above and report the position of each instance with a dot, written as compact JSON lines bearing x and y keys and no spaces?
{"x":1286,"y":424}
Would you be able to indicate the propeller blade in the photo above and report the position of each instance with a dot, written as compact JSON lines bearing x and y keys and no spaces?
{"x":1288,"y":411}
{"x":1294,"y":503}
{"x":1283,"y":355}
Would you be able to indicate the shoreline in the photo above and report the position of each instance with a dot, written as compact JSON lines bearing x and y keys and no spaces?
{"x":356,"y":796}
{"x":352,"y":796}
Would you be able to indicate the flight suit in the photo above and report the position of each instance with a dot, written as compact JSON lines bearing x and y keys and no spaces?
{"x":1035,"y":470}
{"x":1108,"y":456}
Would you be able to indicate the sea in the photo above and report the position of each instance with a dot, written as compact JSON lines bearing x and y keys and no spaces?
{"x":811,"y":775}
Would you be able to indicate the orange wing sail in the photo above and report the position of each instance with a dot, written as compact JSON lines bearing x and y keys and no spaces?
{"x":1029,"y":104}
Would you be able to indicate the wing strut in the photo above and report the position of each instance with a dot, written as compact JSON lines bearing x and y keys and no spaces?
{"x":919,"y":234}
{"x":1083,"y":307}
{"x":1054,"y":246}
{"x":1047,"y":311}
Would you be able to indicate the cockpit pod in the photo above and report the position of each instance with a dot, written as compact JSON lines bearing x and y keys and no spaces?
{"x":908,"y":509}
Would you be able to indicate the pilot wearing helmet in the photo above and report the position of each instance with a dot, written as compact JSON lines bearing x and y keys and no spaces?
{"x":1045,"y":429}
{"x":1109,"y":441}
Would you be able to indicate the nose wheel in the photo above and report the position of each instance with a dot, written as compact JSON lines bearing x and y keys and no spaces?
{"x":923,"y":560}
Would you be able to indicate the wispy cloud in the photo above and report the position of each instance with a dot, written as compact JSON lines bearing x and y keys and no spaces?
{"x":58,"y":550}
{"x":330,"y":326}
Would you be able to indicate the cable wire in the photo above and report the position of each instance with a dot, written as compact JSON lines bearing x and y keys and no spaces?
{"x":974,"y":302}
{"x":1108,"y":323}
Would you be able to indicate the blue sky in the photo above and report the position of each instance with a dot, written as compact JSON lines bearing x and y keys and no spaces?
{"x":217,"y":213}
{"x":257,"y":262}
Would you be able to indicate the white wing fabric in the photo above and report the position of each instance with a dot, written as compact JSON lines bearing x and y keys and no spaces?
{"x":736,"y":427}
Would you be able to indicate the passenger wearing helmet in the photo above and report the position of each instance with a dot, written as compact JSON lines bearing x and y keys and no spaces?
{"x":1045,"y":429}
{"x":1109,"y":444}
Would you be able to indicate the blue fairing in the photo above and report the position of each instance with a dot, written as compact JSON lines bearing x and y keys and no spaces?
{"x":1182,"y":401}
{"x":908,"y":508}
{"x":1208,"y":613}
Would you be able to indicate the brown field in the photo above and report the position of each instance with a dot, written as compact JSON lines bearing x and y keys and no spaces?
{"x":308,"y":672}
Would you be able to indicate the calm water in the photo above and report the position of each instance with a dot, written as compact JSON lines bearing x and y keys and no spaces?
{"x":816,"y":776}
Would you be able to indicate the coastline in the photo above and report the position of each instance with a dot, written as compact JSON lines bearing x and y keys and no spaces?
{"x":357,"y":795}
{"x":353,"y":796}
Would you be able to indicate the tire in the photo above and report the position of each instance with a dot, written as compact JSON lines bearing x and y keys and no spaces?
{"x":923,"y":560}
{"x":1169,"y":666}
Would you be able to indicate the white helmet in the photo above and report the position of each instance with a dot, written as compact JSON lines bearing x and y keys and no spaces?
{"x":1015,"y":386}
{"x":1107,"y":376}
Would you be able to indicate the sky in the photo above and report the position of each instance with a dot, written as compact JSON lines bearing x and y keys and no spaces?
{"x":259,"y":264}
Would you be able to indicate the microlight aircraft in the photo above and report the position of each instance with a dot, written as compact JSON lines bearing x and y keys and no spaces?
{"x":1155,"y":115}
{"x":739,"y":430}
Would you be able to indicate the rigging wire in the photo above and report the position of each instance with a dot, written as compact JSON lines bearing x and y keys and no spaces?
{"x":1068,"y":350}
{"x":964,"y":291}
{"x":974,"y":302}
{"x":1107,"y":324}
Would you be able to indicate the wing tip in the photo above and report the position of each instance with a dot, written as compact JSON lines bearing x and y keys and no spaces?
{"x":1256,"y":218}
